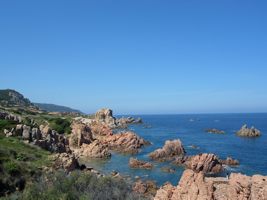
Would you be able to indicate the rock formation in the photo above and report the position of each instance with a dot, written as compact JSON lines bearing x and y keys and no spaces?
{"x":170,"y":150}
{"x":195,"y":186}
{"x":248,"y":132}
{"x":93,"y":150}
{"x":134,"y":163}
{"x":65,"y":161}
{"x":207,"y":163}
{"x":81,"y":134}
{"x":146,"y":188}
{"x":230,"y":161}
{"x":105,"y":116}
{"x":127,"y":142}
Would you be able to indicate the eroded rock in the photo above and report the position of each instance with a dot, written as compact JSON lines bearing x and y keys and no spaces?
{"x":248,"y":132}
{"x":135,"y":163}
{"x":170,"y":150}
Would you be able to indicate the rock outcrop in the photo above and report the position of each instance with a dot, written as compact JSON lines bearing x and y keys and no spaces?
{"x":135,"y":163}
{"x":93,"y":150}
{"x":105,"y":116}
{"x":10,"y":116}
{"x":230,"y":161}
{"x":248,"y":132}
{"x":195,"y":186}
{"x":127,"y":142}
{"x":207,"y":163}
{"x":169,"y":151}
{"x":81,"y":134}
{"x":65,"y":161}
{"x":145,"y":188}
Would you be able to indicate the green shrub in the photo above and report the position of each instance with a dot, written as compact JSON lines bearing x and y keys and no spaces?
{"x":78,"y":185}
{"x":60,"y":125}
{"x":6,"y":124}
{"x":11,"y":167}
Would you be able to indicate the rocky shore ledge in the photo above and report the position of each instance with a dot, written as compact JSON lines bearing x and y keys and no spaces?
{"x":195,"y":186}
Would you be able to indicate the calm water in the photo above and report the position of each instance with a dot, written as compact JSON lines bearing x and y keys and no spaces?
{"x":251,"y":152}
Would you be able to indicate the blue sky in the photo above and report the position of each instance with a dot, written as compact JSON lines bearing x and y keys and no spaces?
{"x":141,"y":56}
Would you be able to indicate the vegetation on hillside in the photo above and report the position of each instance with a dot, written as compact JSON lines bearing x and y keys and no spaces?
{"x":78,"y":185}
{"x":60,"y":125}
{"x":19,"y":164}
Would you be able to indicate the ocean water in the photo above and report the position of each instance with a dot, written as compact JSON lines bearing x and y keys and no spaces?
{"x":190,"y":129}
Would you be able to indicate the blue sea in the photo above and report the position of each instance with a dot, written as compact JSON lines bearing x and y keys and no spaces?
{"x":190,"y":129}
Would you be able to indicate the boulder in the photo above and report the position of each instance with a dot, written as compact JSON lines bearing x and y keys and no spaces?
{"x":105,"y":115}
{"x":170,"y":150}
{"x":81,"y":134}
{"x":165,"y":192}
{"x":36,"y":134}
{"x":135,"y":163}
{"x":127,"y":142}
{"x":145,"y":188}
{"x":26,"y":134}
{"x":248,"y":132}
{"x":93,"y":150}
{"x":230,"y":161}
{"x":65,"y":161}
{"x":206,"y":163}
{"x":19,"y":130}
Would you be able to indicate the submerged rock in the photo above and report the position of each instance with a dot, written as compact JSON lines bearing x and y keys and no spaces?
{"x":170,"y":150}
{"x":134,"y":163}
{"x":230,"y":161}
{"x":216,"y":131}
{"x":248,"y":132}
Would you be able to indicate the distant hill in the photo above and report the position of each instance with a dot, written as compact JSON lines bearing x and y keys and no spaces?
{"x":55,"y":108}
{"x":10,"y":97}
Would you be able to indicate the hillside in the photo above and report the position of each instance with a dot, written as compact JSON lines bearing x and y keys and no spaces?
{"x":55,"y":108}
{"x":10,"y":97}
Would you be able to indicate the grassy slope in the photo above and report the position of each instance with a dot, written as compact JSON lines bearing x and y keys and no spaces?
{"x":19,"y":163}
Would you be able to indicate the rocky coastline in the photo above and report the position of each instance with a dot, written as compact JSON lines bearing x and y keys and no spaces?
{"x":94,"y":138}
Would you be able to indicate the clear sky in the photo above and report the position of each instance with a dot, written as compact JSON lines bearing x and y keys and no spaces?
{"x":137,"y":56}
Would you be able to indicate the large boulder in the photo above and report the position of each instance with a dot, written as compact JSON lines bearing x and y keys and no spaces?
{"x":170,"y":150}
{"x":26,"y":134}
{"x":248,"y":132}
{"x":81,"y":134}
{"x":93,"y":150}
{"x":145,"y":188}
{"x":206,"y":162}
{"x":105,"y":115}
{"x":135,"y":163}
{"x":65,"y":161}
{"x":127,"y":142}
{"x":230,"y":161}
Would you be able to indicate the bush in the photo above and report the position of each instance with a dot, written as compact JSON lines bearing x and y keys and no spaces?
{"x":6,"y":124}
{"x":78,"y":185}
{"x":60,"y":125}
{"x":12,"y":168}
